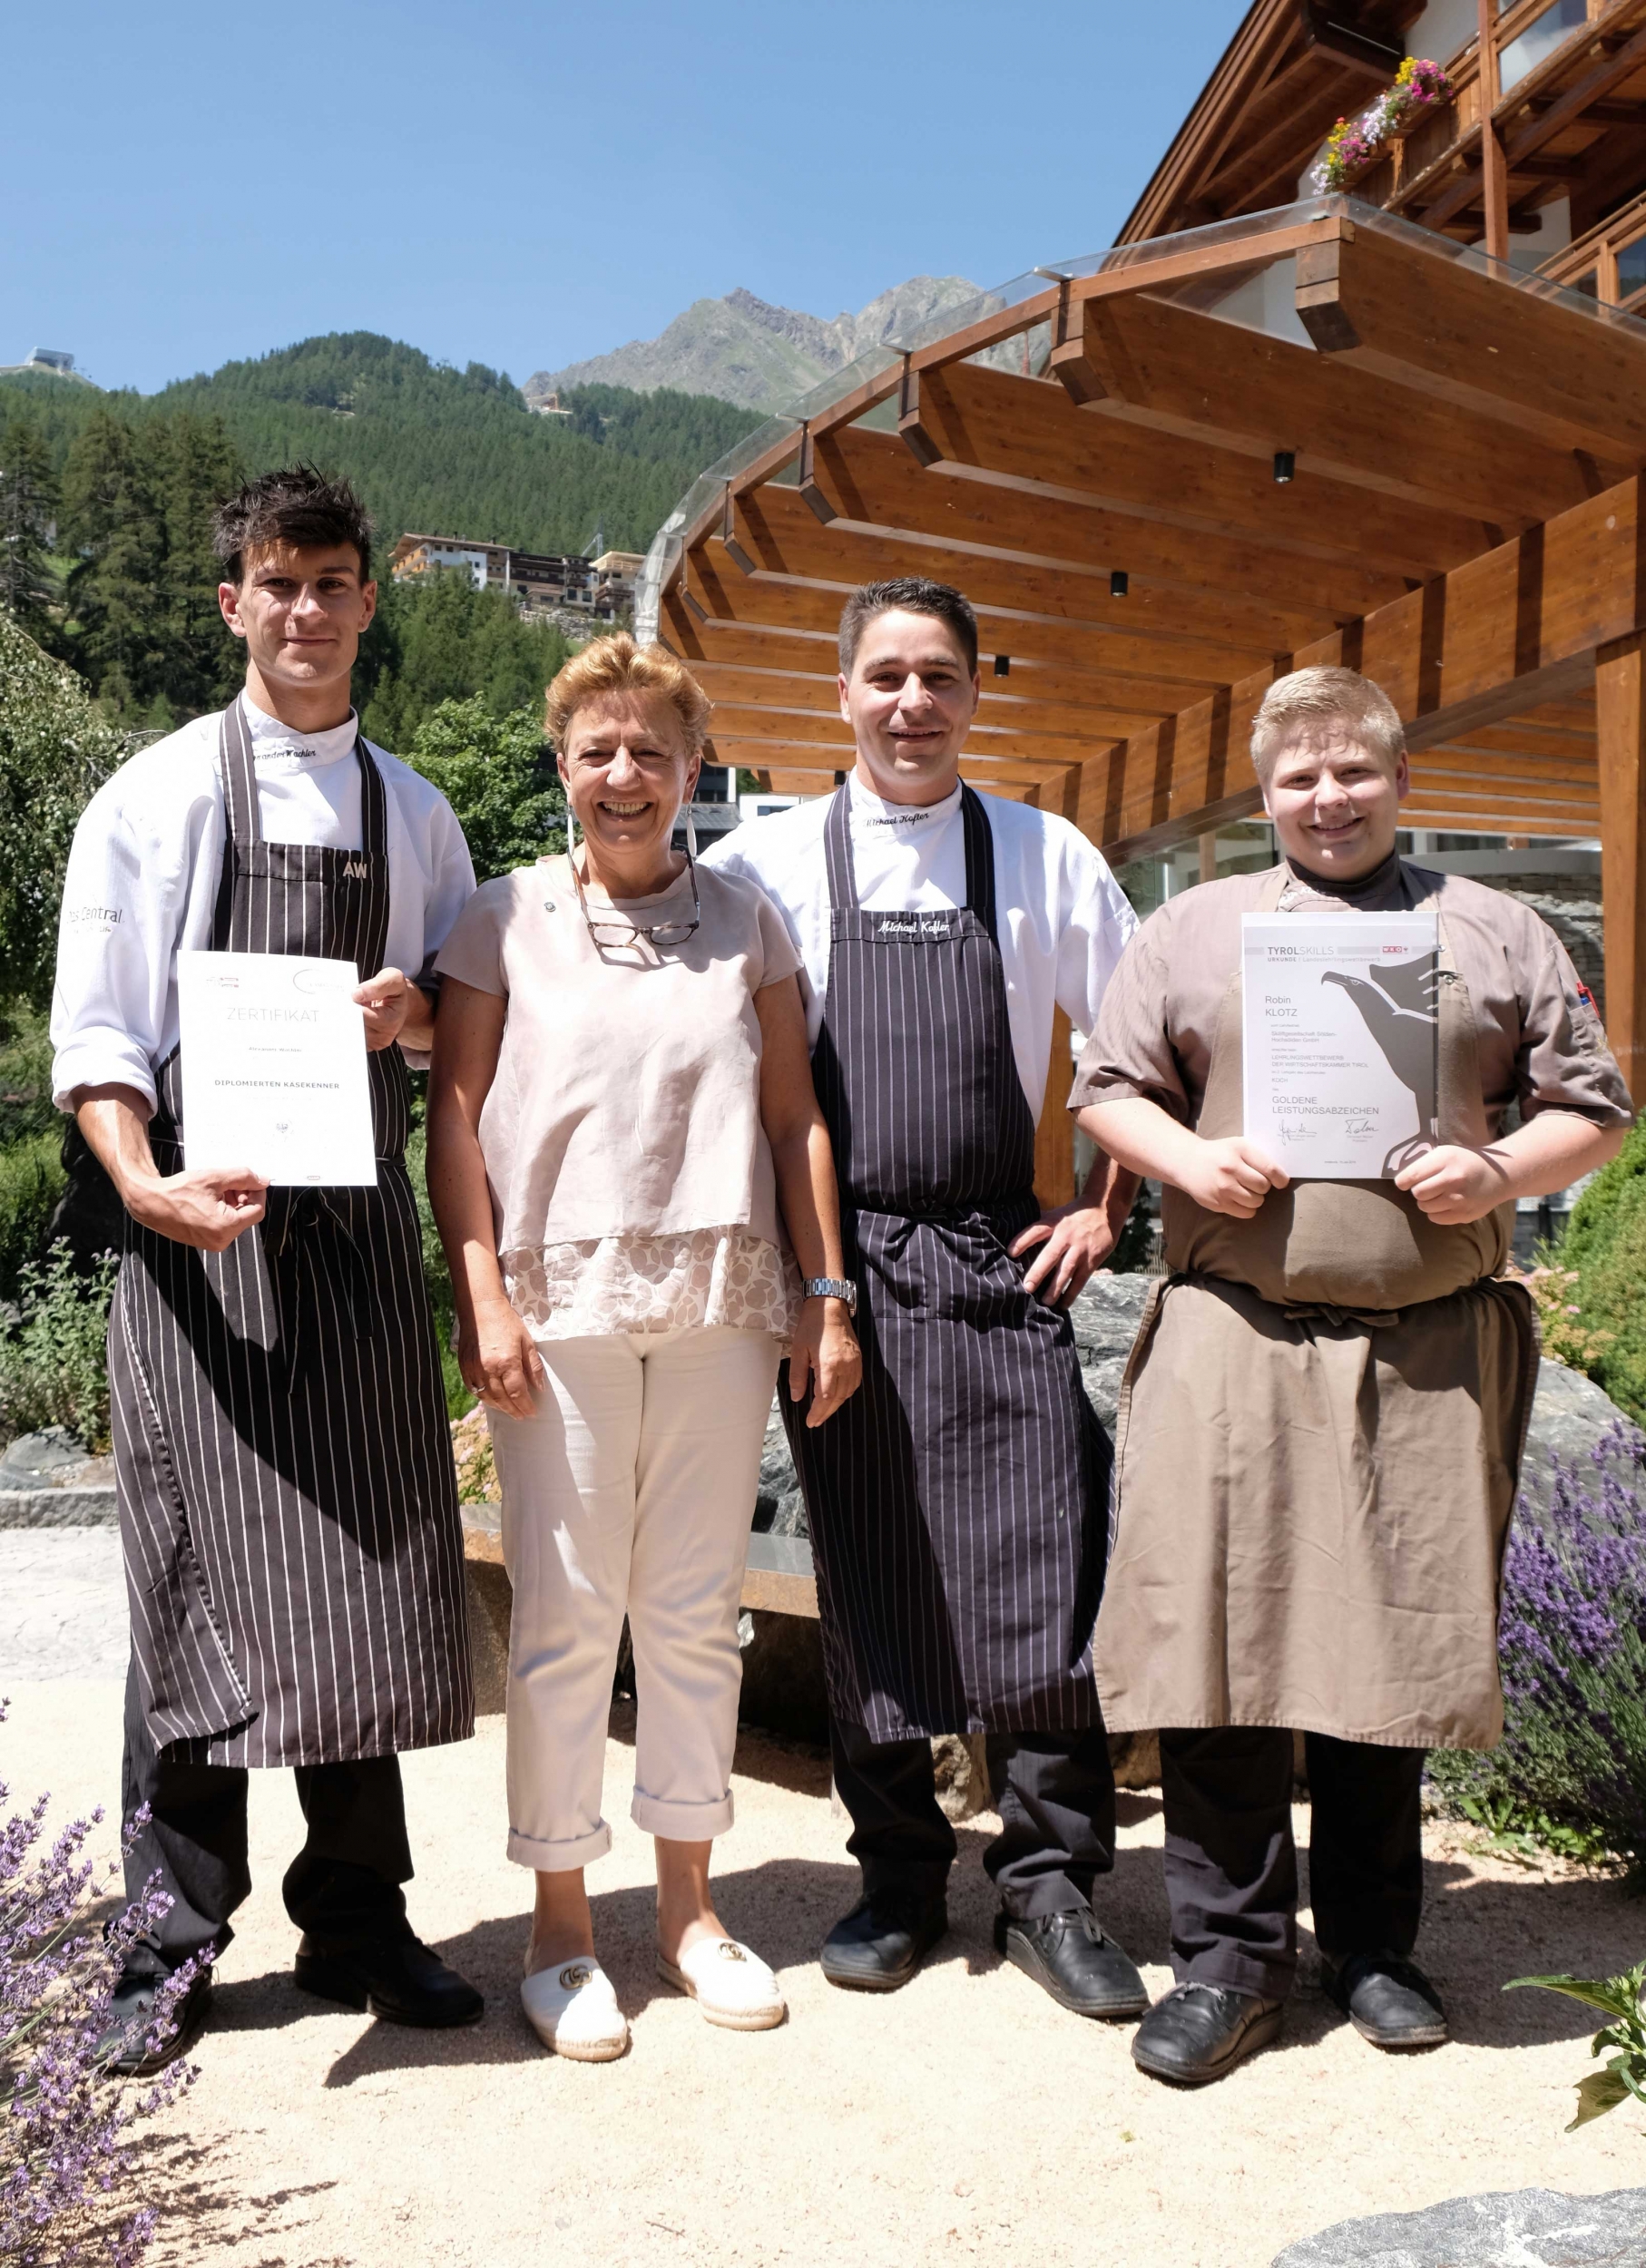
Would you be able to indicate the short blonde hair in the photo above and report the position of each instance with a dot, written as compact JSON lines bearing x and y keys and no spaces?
{"x":1324,"y":695}
{"x":608,"y":668}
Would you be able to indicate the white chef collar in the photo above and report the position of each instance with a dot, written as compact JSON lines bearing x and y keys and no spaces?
{"x":871,"y":815}
{"x":277,"y":748}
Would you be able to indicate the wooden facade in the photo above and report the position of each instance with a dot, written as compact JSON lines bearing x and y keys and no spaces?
{"x":1244,"y":441}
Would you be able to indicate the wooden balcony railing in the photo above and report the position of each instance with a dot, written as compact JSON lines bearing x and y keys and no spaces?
{"x":1560,"y":73}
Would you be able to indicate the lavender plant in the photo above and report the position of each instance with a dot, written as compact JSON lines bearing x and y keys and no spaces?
{"x":64,"y":2118}
{"x":1572,"y":1644}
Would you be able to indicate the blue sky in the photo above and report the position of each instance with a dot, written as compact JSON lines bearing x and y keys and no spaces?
{"x":527,"y":186}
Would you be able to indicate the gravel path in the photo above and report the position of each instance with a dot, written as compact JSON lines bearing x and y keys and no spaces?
{"x":63,"y":1603}
{"x":963,"y":2117}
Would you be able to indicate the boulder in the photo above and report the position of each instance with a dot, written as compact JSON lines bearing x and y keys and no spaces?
{"x":1572,"y":1421}
{"x":1508,"y":2228}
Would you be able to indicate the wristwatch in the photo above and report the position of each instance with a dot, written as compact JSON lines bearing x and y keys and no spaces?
{"x":832,"y":1287}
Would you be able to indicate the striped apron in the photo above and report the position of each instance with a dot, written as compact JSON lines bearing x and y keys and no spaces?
{"x":956,"y":1502}
{"x":293,"y":1547}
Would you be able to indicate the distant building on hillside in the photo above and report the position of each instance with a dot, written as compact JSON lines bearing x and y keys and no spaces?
{"x":539,"y":582}
{"x":48,"y":362}
{"x":550,"y":407}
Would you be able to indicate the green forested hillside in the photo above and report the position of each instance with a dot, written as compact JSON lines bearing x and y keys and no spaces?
{"x":453,"y":452}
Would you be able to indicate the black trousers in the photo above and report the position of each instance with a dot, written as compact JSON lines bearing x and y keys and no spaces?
{"x":1054,"y":1793}
{"x":1231,"y":1866}
{"x":342,"y":1890}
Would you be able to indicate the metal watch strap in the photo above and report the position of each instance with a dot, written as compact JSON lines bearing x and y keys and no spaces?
{"x":831,"y":1287}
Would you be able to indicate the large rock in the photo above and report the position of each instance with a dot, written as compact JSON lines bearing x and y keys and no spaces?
{"x":1574,"y":1422}
{"x":1509,"y":2228}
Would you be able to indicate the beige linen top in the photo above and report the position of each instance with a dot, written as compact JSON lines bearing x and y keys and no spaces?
{"x":631,"y":1179}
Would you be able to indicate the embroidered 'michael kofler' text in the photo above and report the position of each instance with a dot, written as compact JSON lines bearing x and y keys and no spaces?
{"x":916,"y":925}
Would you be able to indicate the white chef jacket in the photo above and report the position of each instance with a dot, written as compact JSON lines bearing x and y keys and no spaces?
{"x":147,"y":859}
{"x":1062,"y":919}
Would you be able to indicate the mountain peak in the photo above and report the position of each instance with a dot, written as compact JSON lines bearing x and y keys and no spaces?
{"x":744,"y":349}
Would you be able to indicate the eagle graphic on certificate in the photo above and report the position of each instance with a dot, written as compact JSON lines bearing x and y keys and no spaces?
{"x":1341,"y":1021}
{"x":1400,"y":1006}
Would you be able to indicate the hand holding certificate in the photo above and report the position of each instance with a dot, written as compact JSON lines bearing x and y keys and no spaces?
{"x":1340,"y":1026}
{"x":274,"y":1068}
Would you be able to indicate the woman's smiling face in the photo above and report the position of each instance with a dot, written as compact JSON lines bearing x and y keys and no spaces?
{"x":627,"y":770}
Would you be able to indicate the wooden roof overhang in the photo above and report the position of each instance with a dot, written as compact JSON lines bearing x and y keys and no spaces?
{"x":1464,"y":523}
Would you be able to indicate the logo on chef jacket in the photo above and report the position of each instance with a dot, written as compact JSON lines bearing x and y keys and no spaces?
{"x":353,"y":870}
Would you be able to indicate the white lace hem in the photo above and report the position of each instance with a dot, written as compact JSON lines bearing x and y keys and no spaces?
{"x":605,"y":1286}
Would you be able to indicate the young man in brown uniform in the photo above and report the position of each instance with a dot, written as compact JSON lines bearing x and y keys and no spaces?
{"x":1321,"y":1427}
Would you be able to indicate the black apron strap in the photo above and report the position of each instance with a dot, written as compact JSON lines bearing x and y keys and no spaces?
{"x":979,"y":859}
{"x":374,"y":803}
{"x":244,"y":820}
{"x":836,"y":853}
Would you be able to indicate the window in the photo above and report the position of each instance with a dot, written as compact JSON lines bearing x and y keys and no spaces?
{"x":1538,"y":39}
{"x":1632,"y":268}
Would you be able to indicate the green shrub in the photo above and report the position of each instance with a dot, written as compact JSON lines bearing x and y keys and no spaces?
{"x":31,"y":1179}
{"x":498,"y":774}
{"x":1594,"y":1311}
{"x":54,"y":1365}
{"x":55,"y":750}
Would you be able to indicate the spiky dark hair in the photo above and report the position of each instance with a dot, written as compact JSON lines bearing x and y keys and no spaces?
{"x":298,"y":505}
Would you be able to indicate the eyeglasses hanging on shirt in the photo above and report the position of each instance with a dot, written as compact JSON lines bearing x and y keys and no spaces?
{"x":610,"y":936}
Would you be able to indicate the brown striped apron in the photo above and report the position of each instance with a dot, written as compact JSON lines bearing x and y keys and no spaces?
{"x":288,"y":1506}
{"x":955,"y":1501}
{"x":1319,"y":1445}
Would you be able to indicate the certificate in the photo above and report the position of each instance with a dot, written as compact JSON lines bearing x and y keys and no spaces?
{"x":1339,"y":1023}
{"x":274,"y":1068}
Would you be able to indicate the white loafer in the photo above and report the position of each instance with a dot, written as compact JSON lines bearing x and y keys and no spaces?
{"x":573,"y":2009}
{"x":733,"y":1986}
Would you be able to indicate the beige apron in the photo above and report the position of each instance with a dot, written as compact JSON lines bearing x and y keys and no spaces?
{"x":1317,"y":1450}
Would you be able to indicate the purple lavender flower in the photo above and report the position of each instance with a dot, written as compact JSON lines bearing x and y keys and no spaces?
{"x":1572,"y":1643}
{"x":63,"y":2116}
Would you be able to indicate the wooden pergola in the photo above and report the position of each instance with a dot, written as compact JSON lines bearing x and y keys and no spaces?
{"x":1165,"y":478}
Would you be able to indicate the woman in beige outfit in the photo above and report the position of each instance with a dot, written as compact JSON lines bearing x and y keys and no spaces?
{"x":621,"y":1116}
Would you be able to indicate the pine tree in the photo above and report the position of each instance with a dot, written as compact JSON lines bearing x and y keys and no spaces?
{"x":115,"y":518}
{"x":28,"y":509}
{"x":197,"y":465}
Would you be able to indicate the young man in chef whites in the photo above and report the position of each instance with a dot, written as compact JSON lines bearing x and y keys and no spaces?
{"x":1323,"y":1415}
{"x":956,"y":1504}
{"x":294,"y":1555}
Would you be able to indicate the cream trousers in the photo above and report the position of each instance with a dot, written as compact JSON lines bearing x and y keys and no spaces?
{"x":631,"y":1490}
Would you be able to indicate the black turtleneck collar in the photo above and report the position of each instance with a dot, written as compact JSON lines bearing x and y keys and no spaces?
{"x":1358,"y":892}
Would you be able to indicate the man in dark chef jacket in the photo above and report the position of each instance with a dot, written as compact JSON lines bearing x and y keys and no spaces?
{"x":293,"y":1549}
{"x":957,"y":1506}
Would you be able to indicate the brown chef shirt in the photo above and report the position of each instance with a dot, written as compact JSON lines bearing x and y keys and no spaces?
{"x":1541,"y":1040}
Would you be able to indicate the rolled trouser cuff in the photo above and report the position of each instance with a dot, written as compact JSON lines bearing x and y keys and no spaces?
{"x":682,"y":1823}
{"x":561,"y":1854}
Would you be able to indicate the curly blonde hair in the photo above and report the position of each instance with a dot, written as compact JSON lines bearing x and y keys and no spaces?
{"x":612,"y":667}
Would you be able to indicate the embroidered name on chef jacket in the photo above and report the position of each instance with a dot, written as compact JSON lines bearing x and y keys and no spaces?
{"x":934,"y":926}
{"x":353,"y":870}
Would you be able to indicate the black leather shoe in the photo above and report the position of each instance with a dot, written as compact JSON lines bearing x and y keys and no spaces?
{"x":397,"y":1978}
{"x":124,"y":2045}
{"x":1068,"y":1955}
{"x":1200,"y":2031}
{"x":881,"y":1942}
{"x":1388,"y":2000}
